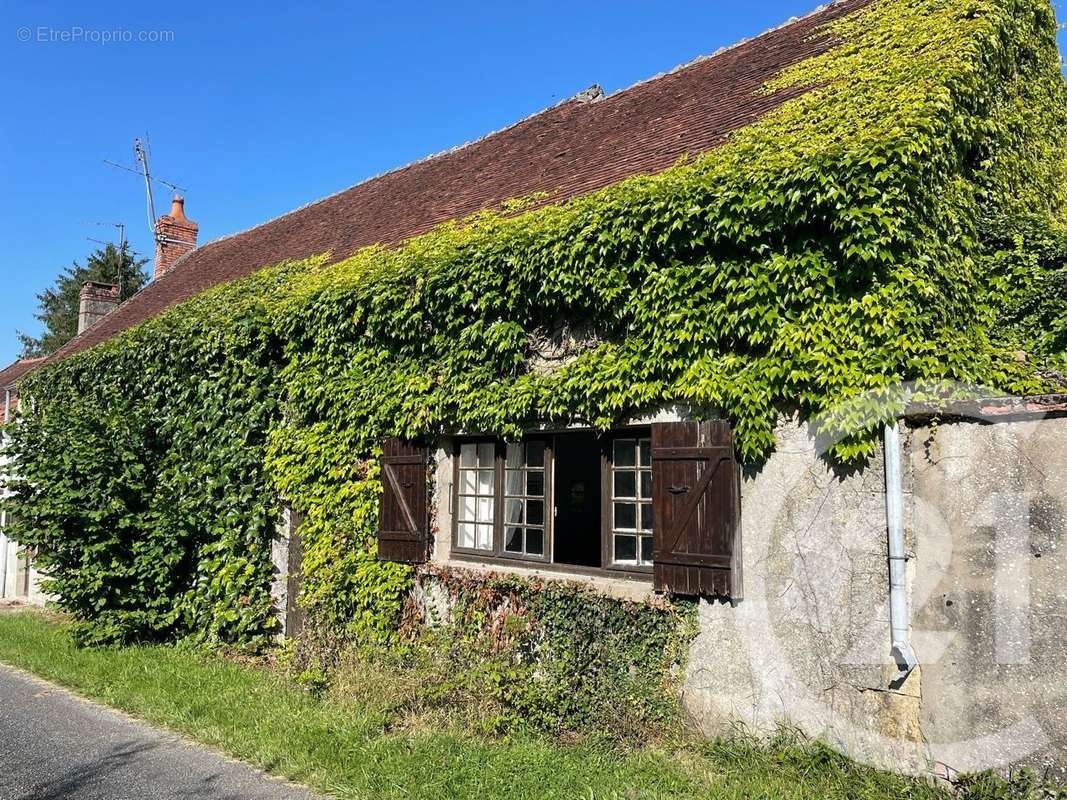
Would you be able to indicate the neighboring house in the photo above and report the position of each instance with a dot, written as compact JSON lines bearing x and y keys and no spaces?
{"x":908,"y":648}
{"x":18,"y":579}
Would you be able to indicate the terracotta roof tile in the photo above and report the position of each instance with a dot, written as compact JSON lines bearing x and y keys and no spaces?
{"x":10,"y":374}
{"x":568,"y":150}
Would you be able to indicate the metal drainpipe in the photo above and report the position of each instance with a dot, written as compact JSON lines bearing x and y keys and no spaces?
{"x":901,"y":651}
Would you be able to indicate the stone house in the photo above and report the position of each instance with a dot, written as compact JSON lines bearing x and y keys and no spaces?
{"x":911,"y":612}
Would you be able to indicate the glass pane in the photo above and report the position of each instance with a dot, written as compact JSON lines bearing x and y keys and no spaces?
{"x":514,"y":457}
{"x":466,"y":534}
{"x":535,"y":483}
{"x":485,"y":481}
{"x":467,"y":508}
{"x":646,"y":549}
{"x":486,"y":453}
{"x":646,"y":516}
{"x":513,"y":540}
{"x":624,"y":453}
{"x":646,"y":452}
{"x":625,"y":548}
{"x":468,"y":455}
{"x":485,"y":509}
{"x":535,"y":512}
{"x":646,"y":484}
{"x":468,"y":481}
{"x":625,"y":516}
{"x":535,"y":454}
{"x":625,"y":483}
{"x":485,"y":537}
{"x":535,"y":541}
{"x":513,"y":511}
{"x":513,"y":486}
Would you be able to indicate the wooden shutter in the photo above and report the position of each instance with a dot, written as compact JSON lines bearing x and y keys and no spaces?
{"x":696,"y":509}
{"x":404,"y":523}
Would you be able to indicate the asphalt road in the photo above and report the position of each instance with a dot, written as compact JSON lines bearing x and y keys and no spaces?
{"x":54,"y":745}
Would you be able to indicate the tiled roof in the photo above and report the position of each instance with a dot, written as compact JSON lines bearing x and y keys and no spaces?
{"x":10,"y":374}
{"x":568,"y":150}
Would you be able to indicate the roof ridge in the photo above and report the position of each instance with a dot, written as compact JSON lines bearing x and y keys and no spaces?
{"x":580,"y":97}
{"x":578,"y":145}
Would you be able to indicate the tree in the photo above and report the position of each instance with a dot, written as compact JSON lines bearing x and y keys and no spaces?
{"x":57,"y":306}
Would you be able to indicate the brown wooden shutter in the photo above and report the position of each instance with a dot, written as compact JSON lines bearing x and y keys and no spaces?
{"x":404,"y":523}
{"x":696,"y":500}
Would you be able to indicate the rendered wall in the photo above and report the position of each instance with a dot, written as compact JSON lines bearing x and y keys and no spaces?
{"x":809,"y":645}
{"x":991,"y":592}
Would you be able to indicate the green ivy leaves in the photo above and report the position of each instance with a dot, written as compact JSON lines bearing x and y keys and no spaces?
{"x":838,"y":244}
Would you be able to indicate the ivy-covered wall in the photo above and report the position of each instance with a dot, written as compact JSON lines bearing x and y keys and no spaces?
{"x":843,"y":242}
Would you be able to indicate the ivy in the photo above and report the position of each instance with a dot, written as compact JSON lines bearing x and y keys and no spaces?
{"x":844,"y":242}
{"x":514,"y":653}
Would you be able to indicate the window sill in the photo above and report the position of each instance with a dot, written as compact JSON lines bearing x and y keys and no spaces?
{"x":621,"y":584}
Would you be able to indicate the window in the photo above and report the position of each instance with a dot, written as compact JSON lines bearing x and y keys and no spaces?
{"x":475,"y":515}
{"x":631,"y":501}
{"x":524,"y":499}
{"x":575,"y":499}
{"x":581,"y":502}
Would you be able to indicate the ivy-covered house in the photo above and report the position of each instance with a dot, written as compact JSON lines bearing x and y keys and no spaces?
{"x":663,"y":395}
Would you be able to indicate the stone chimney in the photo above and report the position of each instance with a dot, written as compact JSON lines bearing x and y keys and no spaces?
{"x":95,"y":301}
{"x":175,"y":236}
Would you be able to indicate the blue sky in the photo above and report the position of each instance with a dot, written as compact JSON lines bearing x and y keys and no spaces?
{"x":257,"y":110}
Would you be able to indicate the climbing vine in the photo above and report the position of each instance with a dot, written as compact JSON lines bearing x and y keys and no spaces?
{"x":835,"y":246}
{"x":502,"y":653}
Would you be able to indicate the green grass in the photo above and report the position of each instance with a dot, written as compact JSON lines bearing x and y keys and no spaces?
{"x":343,"y":749}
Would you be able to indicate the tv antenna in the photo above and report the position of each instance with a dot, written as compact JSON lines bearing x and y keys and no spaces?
{"x":121,"y":226}
{"x":142,"y":151}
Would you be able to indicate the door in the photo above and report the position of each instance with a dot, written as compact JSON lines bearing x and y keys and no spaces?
{"x":577,"y":465}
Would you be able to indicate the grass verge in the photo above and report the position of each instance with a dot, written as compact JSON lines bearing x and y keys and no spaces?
{"x":343,"y":749}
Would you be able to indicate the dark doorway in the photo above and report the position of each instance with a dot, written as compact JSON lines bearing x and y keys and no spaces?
{"x":577,"y":499}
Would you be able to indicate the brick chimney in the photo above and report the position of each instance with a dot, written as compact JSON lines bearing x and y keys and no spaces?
{"x":95,"y":301}
{"x":175,"y":236}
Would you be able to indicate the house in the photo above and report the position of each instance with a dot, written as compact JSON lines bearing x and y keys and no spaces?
{"x":686,"y":288}
{"x":18,"y":578}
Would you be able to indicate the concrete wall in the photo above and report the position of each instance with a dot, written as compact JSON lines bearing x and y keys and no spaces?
{"x":809,"y":646}
{"x":990,"y":614}
{"x":18,"y":579}
{"x":287,"y":555}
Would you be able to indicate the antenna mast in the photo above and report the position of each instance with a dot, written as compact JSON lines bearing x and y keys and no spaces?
{"x":142,"y":159}
{"x":122,"y":253}
{"x":142,"y":150}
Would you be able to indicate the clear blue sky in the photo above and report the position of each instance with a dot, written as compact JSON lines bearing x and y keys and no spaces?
{"x":258,"y":110}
